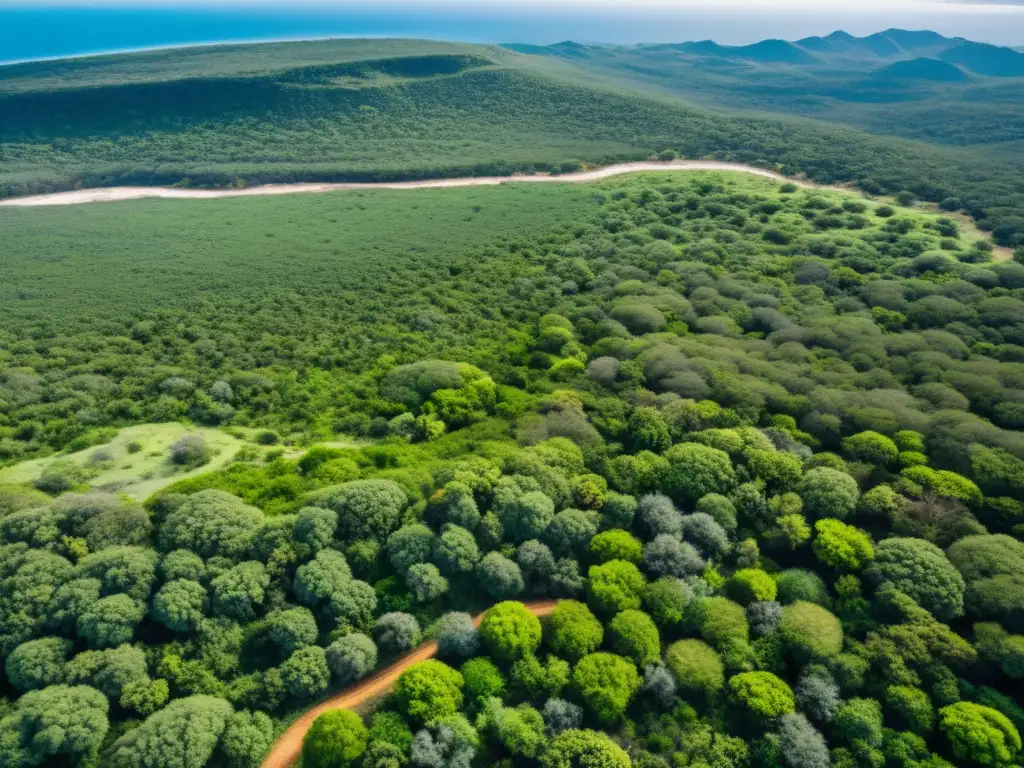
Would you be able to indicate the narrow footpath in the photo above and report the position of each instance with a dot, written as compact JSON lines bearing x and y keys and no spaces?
{"x":288,"y":747}
{"x":111,"y":194}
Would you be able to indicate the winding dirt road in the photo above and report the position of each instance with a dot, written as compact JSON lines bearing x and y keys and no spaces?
{"x":110,"y":194}
{"x":288,"y":747}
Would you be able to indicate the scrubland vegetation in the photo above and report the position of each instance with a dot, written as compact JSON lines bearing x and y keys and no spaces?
{"x":258,"y":114}
{"x":763,"y":444}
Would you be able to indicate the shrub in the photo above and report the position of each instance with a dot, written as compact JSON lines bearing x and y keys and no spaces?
{"x":800,"y":745}
{"x":351,"y":657}
{"x":979,"y":734}
{"x":993,"y":569}
{"x":429,"y":690}
{"x":499,"y":576}
{"x":482,"y":679}
{"x":921,"y":570}
{"x":191,"y":451}
{"x":510,"y":631}
{"x":842,"y":546}
{"x":584,"y":749}
{"x":797,"y":584}
{"x":615,"y":586}
{"x":910,"y":708}
{"x":810,"y":631}
{"x":573,"y":631}
{"x":456,"y":635}
{"x":615,"y":545}
{"x":828,"y":492}
{"x":719,"y":620}
{"x":396,"y":632}
{"x":696,"y":666}
{"x":606,"y":683}
{"x":539,"y":681}
{"x":634,"y":635}
{"x":336,"y":739}
{"x":696,"y":470}
{"x":666,"y":600}
{"x":750,"y":585}
{"x":762,"y":693}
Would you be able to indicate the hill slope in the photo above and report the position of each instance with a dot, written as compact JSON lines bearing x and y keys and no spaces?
{"x":923,"y":69}
{"x":361,"y":110}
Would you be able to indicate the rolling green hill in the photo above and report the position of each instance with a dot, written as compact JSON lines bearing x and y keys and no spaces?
{"x":922,"y":69}
{"x":374,"y":110}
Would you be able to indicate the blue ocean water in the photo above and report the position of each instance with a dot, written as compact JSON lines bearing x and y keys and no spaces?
{"x":34,"y":32}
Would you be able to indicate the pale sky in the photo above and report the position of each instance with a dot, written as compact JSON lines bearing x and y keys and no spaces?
{"x":782,"y":6}
{"x":38,"y":28}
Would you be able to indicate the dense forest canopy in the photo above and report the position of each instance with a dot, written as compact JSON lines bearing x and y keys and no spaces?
{"x":763,"y":445}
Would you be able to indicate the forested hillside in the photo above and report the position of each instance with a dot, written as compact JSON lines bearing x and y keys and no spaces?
{"x":762,"y":443}
{"x":289,"y":112}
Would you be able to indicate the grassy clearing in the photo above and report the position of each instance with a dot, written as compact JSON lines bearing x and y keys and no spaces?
{"x":136,"y":473}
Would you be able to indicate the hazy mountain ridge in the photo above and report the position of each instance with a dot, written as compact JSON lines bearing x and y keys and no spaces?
{"x":839,"y":47}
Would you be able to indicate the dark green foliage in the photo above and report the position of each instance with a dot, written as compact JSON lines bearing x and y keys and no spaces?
{"x":110,"y":621}
{"x":246,"y":738}
{"x":351,"y":657}
{"x":922,"y":571}
{"x":396,"y":632}
{"x":182,"y":734}
{"x":239,"y":591}
{"x":367,"y":509}
{"x":58,"y":724}
{"x":113,"y":671}
{"x":456,"y":550}
{"x":305,"y":673}
{"x":291,"y":629}
{"x":180,"y":604}
{"x":910,"y":709}
{"x":828,"y":492}
{"x":696,"y":470}
{"x":993,"y":569}
{"x":128,"y":570}
{"x":211,"y":523}
{"x":499,"y":576}
{"x":409,"y":545}
{"x":797,"y":584}
{"x":666,"y":600}
{"x":38,"y":663}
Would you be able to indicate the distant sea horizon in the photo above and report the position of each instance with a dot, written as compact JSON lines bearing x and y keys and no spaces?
{"x":45,"y":33}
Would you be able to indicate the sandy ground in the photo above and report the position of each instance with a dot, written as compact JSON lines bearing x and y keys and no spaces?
{"x":288,"y":747}
{"x":109,"y":194}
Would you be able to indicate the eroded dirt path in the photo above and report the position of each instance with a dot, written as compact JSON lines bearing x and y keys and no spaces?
{"x":288,"y":747}
{"x":110,"y":194}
